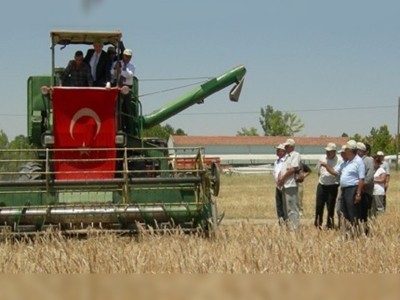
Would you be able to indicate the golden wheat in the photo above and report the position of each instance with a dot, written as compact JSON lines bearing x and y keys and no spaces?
{"x":242,"y":245}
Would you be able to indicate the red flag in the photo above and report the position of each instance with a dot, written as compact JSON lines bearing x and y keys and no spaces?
{"x":84,"y":119}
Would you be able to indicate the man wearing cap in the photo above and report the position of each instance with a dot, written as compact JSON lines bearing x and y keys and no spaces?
{"x":100,"y":64}
{"x":327,"y":188}
{"x":281,"y":154}
{"x":286,"y":180}
{"x":386,"y":167}
{"x":368,"y":189}
{"x":352,"y":174}
{"x":123,"y":72}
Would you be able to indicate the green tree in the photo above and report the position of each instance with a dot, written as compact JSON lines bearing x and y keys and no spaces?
{"x":381,"y":140}
{"x":277,"y":123}
{"x":344,"y":134}
{"x":3,"y":139}
{"x":357,"y":138}
{"x":20,"y":142}
{"x":248,"y":132}
{"x":163,"y":131}
{"x":180,"y":131}
{"x":293,"y":123}
{"x":12,"y":157}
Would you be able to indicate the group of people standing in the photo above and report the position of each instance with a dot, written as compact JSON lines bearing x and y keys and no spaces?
{"x":98,"y":67}
{"x":103,"y":69}
{"x":354,"y":180}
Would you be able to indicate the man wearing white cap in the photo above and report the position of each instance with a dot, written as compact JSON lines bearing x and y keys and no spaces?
{"x":368,"y":189}
{"x":327,"y":189}
{"x":386,"y":167}
{"x":123,"y":72}
{"x":281,"y":153}
{"x":286,"y":180}
{"x":352,"y":174}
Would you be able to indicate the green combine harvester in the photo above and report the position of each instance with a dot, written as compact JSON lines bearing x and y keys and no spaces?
{"x":86,"y":170}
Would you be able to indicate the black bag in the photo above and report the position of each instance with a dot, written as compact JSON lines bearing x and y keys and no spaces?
{"x":299,"y":174}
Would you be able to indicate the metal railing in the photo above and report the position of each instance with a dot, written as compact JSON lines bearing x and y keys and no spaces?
{"x":46,"y":171}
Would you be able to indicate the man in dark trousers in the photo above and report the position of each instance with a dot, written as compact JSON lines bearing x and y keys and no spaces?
{"x":351,"y":173}
{"x":100,"y":64}
{"x":281,"y":154}
{"x":327,"y":189}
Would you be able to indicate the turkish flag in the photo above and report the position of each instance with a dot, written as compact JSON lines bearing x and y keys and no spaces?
{"x":84,"y":132}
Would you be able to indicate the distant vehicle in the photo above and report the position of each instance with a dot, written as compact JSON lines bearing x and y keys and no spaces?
{"x":391,"y":159}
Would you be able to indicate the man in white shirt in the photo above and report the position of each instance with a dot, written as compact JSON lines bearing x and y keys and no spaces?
{"x":281,"y":153}
{"x":123,"y":72}
{"x":327,"y":189}
{"x":286,"y":180}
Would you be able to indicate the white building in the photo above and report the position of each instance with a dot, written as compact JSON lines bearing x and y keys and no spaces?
{"x":252,"y":150}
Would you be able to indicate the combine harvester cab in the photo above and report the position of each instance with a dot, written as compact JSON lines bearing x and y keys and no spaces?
{"x":85,"y":170}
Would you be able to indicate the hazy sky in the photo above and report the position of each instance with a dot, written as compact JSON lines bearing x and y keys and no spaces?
{"x":336,"y":64}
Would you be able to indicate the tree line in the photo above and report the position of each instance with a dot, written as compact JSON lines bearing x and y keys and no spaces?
{"x":276,"y":123}
{"x":273,"y":123}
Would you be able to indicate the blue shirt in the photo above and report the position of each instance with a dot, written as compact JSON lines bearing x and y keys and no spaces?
{"x":351,"y":172}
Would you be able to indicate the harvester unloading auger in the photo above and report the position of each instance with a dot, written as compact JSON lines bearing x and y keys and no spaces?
{"x":86,"y":170}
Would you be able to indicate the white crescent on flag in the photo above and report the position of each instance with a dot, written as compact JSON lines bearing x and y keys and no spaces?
{"x":82,"y":113}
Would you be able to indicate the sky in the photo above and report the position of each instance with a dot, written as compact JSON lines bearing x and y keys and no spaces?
{"x":335,"y":64}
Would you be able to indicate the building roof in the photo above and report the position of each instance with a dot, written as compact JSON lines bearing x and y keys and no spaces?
{"x":254,"y":140}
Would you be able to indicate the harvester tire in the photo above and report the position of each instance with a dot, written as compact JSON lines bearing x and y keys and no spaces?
{"x":215,"y":179}
{"x":30,"y":171}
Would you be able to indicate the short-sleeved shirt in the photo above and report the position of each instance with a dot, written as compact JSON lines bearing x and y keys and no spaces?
{"x":277,"y":167}
{"x":379,"y":188}
{"x":386,"y":167}
{"x":351,"y":172}
{"x":326,"y":178}
{"x":293,"y":160}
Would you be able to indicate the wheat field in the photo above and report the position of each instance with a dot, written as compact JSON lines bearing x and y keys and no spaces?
{"x":248,"y":241}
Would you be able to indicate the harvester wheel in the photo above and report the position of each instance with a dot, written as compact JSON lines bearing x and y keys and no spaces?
{"x":30,"y":171}
{"x":215,"y":179}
